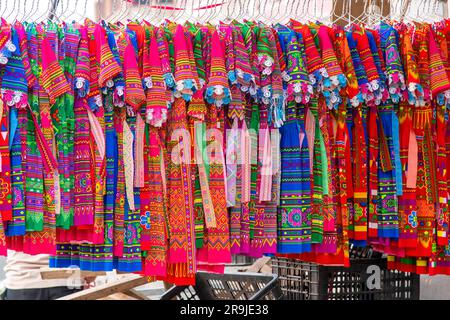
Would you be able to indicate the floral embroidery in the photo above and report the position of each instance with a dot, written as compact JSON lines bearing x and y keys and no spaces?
{"x":146,"y":220}
{"x":295,"y":217}
{"x":412,"y":219}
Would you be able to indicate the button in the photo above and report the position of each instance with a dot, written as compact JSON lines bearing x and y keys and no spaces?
{"x":79,"y":84}
{"x":268,"y":63}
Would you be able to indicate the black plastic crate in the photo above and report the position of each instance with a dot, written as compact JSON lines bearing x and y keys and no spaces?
{"x":238,"y":260}
{"x":228,"y":286}
{"x":300,"y":280}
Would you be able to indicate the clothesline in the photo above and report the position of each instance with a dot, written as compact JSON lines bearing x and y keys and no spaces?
{"x":211,"y":6}
{"x":164,"y":150}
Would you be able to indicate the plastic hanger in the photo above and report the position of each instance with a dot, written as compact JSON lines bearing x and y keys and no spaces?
{"x":386,"y":18}
{"x":149,"y":13}
{"x":227,"y":19}
{"x":117,"y":13}
{"x":270,"y":13}
{"x":407,"y":15}
{"x":262,"y":19}
{"x":349,"y":13}
{"x":395,"y":11}
{"x":429,"y":13}
{"x":257,"y":10}
{"x":205,"y":14}
{"x":169,"y":13}
{"x":314,"y":17}
{"x":65,"y":12}
{"x":126,"y":17}
{"x":247,"y":14}
{"x":307,"y":12}
{"x":17,"y":13}
{"x":288,"y":14}
{"x":419,"y":17}
{"x":114,"y":11}
{"x":434,"y":11}
{"x":4,"y":15}
{"x":190,"y":17}
{"x":327,"y":20}
{"x":134,"y":12}
{"x":238,"y":18}
{"x":302,"y":15}
{"x":10,"y":12}
{"x":202,"y":14}
{"x":126,"y":12}
{"x":280,"y":13}
{"x":41,"y":16}
{"x":318,"y":12}
{"x":137,"y":12}
{"x":53,"y":13}
{"x":331,"y":17}
{"x":220,"y":6}
{"x":241,"y":12}
{"x":362,"y":17}
{"x":345,"y":13}
{"x":50,"y":14}
{"x":82,"y":15}
{"x":210,"y":13}
{"x":260,"y":12}
{"x":144,"y":8}
{"x":332,"y":13}
{"x":322,"y":17}
{"x":218,"y":11}
{"x":74,"y":14}
{"x":165,"y":15}
{"x":161,"y":17}
{"x":294,"y":15}
{"x":180,"y":13}
{"x":166,"y":12}
{"x":404,"y":9}
{"x":100,"y":11}
{"x":123,"y":13}
{"x":186,"y":11}
{"x":213,"y":14}
{"x":372,"y":16}
{"x":28,"y":12}
{"x":314,"y":14}
{"x":426,"y":12}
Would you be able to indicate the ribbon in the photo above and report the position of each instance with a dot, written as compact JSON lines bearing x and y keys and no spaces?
{"x":200,"y":157}
{"x":139,"y":153}
{"x":97,"y":132}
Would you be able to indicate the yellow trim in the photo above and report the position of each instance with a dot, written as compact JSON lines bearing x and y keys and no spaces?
{"x":360,"y":194}
{"x":421,"y":263}
{"x":441,"y":233}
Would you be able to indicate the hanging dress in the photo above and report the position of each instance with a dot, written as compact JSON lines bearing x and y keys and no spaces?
{"x":294,"y":222}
